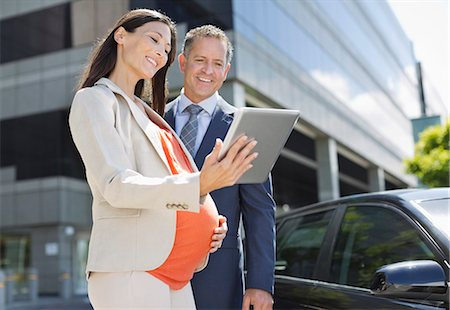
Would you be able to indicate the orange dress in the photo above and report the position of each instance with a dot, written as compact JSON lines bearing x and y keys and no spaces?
{"x":193,"y":230}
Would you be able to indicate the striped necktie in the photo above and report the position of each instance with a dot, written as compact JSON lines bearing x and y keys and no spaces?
{"x":189,"y":132}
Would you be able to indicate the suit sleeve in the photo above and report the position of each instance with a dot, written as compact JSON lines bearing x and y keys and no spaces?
{"x":92,"y":125}
{"x":258,"y":214}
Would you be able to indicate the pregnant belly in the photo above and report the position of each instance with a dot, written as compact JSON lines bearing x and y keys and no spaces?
{"x":192,"y":244}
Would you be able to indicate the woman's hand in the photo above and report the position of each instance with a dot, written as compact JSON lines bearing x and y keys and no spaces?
{"x":219,"y":234}
{"x":216,"y":174}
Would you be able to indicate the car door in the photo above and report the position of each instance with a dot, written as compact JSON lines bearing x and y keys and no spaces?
{"x":299,"y":240}
{"x":369,"y":237}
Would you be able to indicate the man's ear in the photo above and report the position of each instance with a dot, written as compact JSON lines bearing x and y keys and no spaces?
{"x":119,"y":35}
{"x":182,"y":62}
{"x":227,"y":68}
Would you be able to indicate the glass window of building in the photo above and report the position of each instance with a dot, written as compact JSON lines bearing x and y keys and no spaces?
{"x":35,"y":33}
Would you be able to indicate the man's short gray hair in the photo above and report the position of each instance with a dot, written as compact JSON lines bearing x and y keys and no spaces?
{"x":206,"y":31}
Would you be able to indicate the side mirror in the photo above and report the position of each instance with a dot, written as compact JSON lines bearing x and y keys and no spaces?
{"x":412,"y":279}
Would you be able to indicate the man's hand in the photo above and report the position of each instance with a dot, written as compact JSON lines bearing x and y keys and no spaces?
{"x":219,"y":234}
{"x":259,"y":299}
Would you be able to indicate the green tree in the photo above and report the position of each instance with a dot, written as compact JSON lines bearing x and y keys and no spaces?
{"x":431,"y":156}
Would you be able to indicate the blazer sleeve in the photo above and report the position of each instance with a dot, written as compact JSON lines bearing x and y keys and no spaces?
{"x":92,"y":125}
{"x":258,"y":215}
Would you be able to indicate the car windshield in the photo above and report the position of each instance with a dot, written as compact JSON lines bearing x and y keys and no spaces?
{"x":438,"y":210}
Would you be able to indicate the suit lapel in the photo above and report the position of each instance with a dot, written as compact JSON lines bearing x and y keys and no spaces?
{"x":157,"y":119}
{"x":218,"y":128}
{"x":148,"y":127}
{"x":169,"y":116}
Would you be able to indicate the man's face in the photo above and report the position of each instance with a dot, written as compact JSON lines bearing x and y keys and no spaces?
{"x":205,"y":69}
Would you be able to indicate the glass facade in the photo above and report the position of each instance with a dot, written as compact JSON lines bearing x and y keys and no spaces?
{"x":193,"y":12}
{"x":35,"y":33}
{"x":15,"y":257}
{"x":39,"y":146}
{"x":342,"y":47}
{"x":435,"y":106}
{"x":15,"y":252}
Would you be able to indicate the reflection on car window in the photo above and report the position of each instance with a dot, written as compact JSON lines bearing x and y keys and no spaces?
{"x":369,"y":238}
{"x":438,"y":211}
{"x":298,"y":244}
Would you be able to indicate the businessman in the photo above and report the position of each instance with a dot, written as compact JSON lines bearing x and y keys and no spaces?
{"x":200,"y":115}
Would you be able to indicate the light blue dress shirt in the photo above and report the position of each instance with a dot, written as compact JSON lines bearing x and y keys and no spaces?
{"x":204,"y":117}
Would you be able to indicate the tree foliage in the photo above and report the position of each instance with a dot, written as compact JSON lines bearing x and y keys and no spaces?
{"x":431,"y":156}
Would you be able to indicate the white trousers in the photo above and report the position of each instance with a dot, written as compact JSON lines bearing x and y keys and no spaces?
{"x":135,"y":290}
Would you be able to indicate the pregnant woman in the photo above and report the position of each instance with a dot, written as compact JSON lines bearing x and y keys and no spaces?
{"x":153,"y":219}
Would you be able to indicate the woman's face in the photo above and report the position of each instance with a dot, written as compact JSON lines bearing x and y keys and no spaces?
{"x":145,"y":50}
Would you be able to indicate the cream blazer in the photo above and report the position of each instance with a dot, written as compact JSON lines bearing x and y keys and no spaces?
{"x":135,"y":196}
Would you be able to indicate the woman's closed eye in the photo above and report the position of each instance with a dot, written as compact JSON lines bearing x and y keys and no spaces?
{"x":157,"y":41}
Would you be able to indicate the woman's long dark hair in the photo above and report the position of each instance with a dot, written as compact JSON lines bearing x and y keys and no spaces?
{"x":104,"y":56}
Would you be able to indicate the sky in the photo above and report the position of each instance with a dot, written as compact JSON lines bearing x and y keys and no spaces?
{"x":426,"y":23}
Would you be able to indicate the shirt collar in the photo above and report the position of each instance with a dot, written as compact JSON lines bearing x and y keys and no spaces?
{"x":209,"y":104}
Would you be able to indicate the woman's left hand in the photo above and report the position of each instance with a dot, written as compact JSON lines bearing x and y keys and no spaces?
{"x":219,"y":234}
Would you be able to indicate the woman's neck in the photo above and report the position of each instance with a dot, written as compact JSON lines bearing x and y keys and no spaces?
{"x":126,"y":81}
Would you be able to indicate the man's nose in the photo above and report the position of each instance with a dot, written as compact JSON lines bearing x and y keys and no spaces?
{"x":208,"y":68}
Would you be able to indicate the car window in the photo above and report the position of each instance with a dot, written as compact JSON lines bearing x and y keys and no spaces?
{"x":298,"y":244}
{"x":438,"y":211}
{"x":371,"y":237}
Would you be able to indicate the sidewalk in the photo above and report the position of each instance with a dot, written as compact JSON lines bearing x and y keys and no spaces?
{"x":52,"y":303}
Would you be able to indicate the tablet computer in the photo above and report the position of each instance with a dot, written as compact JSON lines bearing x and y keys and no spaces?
{"x":271,"y":128}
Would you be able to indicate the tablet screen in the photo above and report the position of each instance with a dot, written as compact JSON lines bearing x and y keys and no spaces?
{"x":271,"y":128}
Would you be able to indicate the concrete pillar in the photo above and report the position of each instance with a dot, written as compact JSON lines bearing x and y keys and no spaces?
{"x":10,"y":283}
{"x":376,"y":179}
{"x":92,"y":18}
{"x":2,"y":290}
{"x":327,"y":169}
{"x":83,"y":22}
{"x":65,"y":288}
{"x":234,"y":93}
{"x":33,"y":283}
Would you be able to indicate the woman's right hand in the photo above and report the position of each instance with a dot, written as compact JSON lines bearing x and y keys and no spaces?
{"x":216,"y":174}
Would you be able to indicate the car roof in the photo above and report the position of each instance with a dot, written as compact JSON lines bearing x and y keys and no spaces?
{"x":425,"y":194}
{"x":406,"y":195}
{"x":410,"y":194}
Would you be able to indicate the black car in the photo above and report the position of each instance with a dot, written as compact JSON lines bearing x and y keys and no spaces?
{"x":387,"y":250}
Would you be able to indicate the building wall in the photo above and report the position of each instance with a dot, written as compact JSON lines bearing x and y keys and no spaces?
{"x":45,"y":214}
{"x":330,"y":73}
